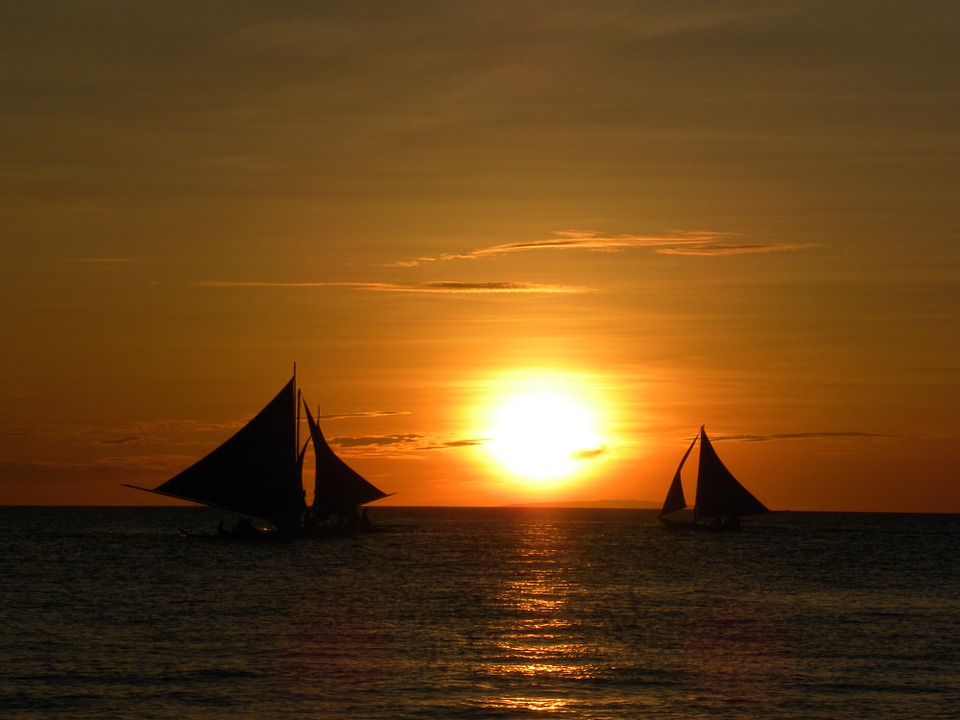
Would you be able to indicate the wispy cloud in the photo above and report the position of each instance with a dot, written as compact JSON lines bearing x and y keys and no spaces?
{"x":368,"y":414}
{"x":483,"y":287}
{"x":675,"y":243}
{"x":589,"y":240}
{"x":441,"y":287}
{"x":803,"y":436}
{"x":161,"y":432}
{"x":123,"y":440}
{"x":408,"y":444}
{"x":413,"y":444}
{"x":403,"y":440}
{"x":100,"y":260}
{"x":715,"y":250}
{"x":164,"y":464}
{"x":590,"y":453}
{"x":416,"y":262}
{"x":450,"y":444}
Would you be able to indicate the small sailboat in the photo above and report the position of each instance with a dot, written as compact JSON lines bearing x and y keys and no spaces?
{"x":258,"y":473}
{"x":721,"y":500}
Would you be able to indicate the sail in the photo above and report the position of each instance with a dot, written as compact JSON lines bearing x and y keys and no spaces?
{"x":256,"y":472}
{"x":719,"y":493}
{"x":675,"y":499}
{"x":338,"y":489}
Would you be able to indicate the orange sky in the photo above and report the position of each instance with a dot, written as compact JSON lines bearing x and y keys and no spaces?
{"x":739,"y":214}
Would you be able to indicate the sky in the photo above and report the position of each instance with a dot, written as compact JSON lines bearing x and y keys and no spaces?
{"x":639,"y":217}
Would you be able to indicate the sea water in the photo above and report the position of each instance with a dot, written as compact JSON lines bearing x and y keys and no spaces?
{"x":480,"y":613}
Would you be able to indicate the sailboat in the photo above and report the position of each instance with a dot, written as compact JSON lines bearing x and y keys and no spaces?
{"x":258,"y":472}
{"x":721,"y":500}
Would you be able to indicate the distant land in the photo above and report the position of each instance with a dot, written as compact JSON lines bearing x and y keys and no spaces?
{"x":620,"y":504}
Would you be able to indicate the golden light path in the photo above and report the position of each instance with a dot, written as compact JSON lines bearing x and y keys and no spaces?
{"x":542,"y":428}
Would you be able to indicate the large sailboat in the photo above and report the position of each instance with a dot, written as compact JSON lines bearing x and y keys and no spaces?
{"x":721,"y":500}
{"x":258,"y":473}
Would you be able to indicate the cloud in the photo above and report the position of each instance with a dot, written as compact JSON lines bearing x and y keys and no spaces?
{"x":104,"y":261}
{"x":674,"y":243}
{"x":124,"y":440}
{"x":398,"y":444}
{"x":441,"y":287}
{"x":803,"y":436}
{"x":164,"y":432}
{"x":715,"y":250}
{"x":473,"y":442}
{"x":404,"y":440}
{"x":368,"y":414}
{"x":271,"y":284}
{"x":416,"y":262}
{"x":161,"y":464}
{"x":590,"y":453}
{"x":589,"y":240}
{"x":482,"y":287}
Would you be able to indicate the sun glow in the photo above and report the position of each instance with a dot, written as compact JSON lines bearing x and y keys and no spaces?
{"x":543,"y":433}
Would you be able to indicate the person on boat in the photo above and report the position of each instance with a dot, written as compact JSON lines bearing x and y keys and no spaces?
{"x":244,"y":528}
{"x":308,"y":519}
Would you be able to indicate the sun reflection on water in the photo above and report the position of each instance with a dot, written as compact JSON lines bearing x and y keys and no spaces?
{"x":540,"y":651}
{"x":542,"y":705}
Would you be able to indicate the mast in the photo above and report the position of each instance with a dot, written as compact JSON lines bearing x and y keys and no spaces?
{"x":296,"y":442}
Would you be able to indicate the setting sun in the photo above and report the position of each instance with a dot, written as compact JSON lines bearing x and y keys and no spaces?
{"x":542,"y":435}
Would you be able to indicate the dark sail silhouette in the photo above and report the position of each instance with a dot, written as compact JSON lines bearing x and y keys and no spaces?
{"x":721,"y":500}
{"x":338,"y":489}
{"x":675,"y":500}
{"x":257,"y":472}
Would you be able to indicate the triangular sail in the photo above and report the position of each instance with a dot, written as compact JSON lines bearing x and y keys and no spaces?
{"x":719,"y":493}
{"x":675,"y":500}
{"x":338,"y":489}
{"x":256,"y":472}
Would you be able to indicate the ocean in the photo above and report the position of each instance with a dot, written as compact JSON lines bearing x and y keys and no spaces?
{"x":480,"y":613}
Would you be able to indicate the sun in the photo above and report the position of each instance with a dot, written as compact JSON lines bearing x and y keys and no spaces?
{"x":542,"y":435}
